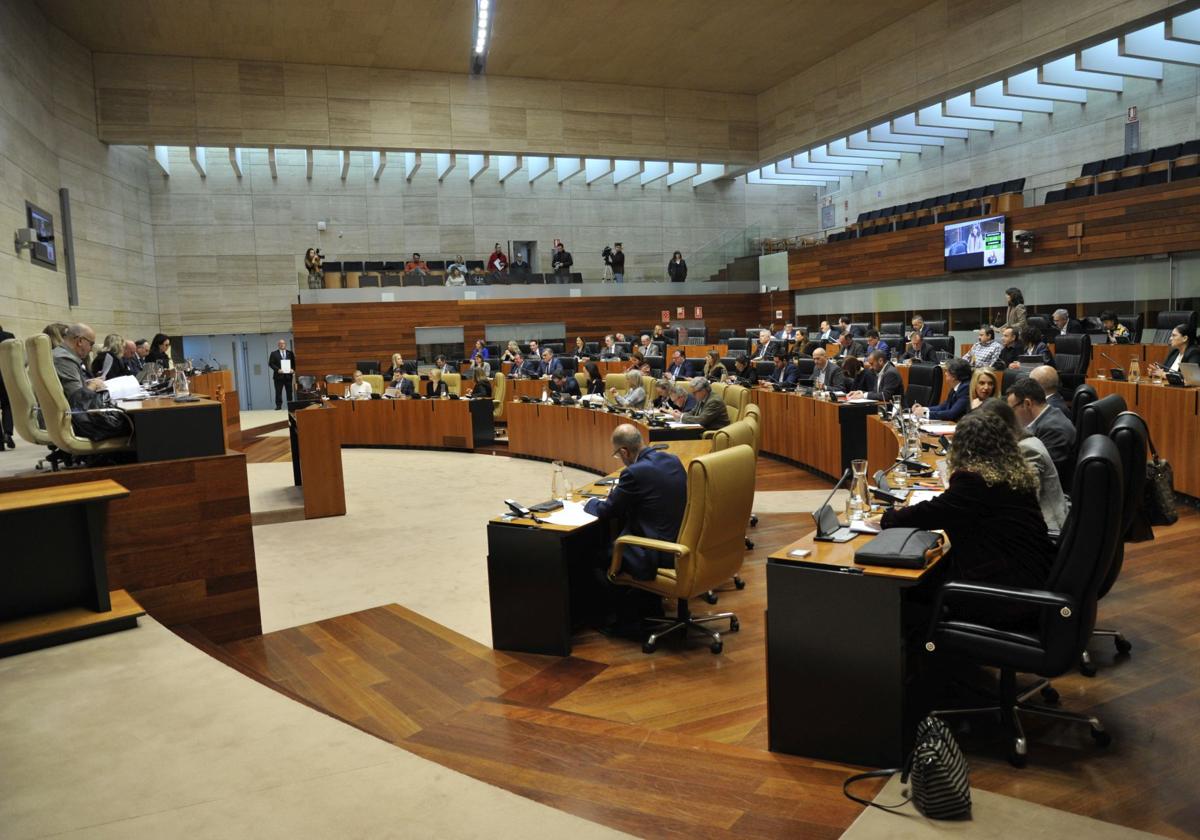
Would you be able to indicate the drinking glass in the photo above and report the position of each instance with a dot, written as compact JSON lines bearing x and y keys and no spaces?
{"x":900,"y":474}
{"x":560,"y":488}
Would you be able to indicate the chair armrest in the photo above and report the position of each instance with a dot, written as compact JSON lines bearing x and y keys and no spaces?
{"x":677,"y":549}
{"x":956,"y":589}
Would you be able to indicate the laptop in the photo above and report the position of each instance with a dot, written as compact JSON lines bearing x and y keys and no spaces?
{"x":1191,"y":373}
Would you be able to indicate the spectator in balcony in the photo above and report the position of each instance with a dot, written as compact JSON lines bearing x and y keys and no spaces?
{"x":416,"y":267}
{"x":497,"y":262}
{"x":456,"y":277}
{"x":618,"y":263}
{"x":519,"y":267}
{"x":677,"y":268}
{"x":312,"y":264}
{"x":561,"y":262}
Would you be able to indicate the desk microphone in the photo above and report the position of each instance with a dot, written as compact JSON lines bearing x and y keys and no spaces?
{"x":656,"y":446}
{"x":1110,"y":359}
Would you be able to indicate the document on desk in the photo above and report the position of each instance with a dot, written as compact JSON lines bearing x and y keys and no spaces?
{"x":938,"y":428}
{"x":675,"y":424}
{"x":860,"y":401}
{"x":918,"y":496}
{"x":125,"y":388}
{"x":571,"y":515}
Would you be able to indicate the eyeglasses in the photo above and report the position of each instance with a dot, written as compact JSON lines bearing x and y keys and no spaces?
{"x":91,"y":341}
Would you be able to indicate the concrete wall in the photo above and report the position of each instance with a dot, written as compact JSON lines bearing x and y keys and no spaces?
{"x":228,"y":251}
{"x":939,"y":50}
{"x":1046,"y":149}
{"x":47,"y":141}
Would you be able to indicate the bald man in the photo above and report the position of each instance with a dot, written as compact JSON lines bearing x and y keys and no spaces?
{"x":1047,"y":377}
{"x":649,"y":497}
{"x":70,"y":360}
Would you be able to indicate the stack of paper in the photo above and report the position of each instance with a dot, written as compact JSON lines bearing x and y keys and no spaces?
{"x":571,"y":514}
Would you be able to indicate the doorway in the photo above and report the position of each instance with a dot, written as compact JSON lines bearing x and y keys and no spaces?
{"x":246,"y":355}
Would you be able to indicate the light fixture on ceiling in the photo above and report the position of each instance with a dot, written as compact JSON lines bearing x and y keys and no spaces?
{"x":485,"y":13}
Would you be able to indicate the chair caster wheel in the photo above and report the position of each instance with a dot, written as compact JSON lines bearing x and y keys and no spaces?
{"x":739,"y":583}
{"x":716,"y":647}
{"x":1123,"y":645}
{"x":710,"y":597}
{"x":649,"y":647}
{"x":749,"y":543}
{"x":734,"y":625}
{"x":1016,"y":759}
{"x":753,"y":521}
{"x":1049,"y":694}
{"x":1102,"y":738}
{"x":1087,"y":669}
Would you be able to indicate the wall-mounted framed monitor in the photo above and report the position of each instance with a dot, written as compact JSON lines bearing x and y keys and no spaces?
{"x":44,"y":251}
{"x":978,"y":243}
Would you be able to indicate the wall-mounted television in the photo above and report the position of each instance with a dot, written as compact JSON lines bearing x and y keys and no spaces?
{"x":44,"y":252}
{"x":978,"y":243}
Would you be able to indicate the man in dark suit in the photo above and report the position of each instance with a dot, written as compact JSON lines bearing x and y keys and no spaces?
{"x":283,"y":379}
{"x":918,"y":350}
{"x":550,"y":362}
{"x":1065,"y":324}
{"x":6,"y":414}
{"x":532,"y":367}
{"x":958,"y":401}
{"x":678,"y":368}
{"x":919,"y":326}
{"x":649,"y":496}
{"x":1047,"y":377}
{"x":826,"y":374}
{"x":888,"y":383}
{"x":764,"y":350}
{"x":827,"y":334}
{"x":1051,"y":427}
{"x":710,"y":411}
{"x":785,"y":373}
{"x":563,"y":383}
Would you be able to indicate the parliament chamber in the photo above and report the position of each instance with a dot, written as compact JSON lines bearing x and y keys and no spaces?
{"x":637,"y":434}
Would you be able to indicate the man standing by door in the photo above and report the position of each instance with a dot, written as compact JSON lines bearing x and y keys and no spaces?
{"x":283,"y":367}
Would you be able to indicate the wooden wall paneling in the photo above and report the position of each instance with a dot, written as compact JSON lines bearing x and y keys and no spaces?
{"x":181,"y":542}
{"x":827,"y":438}
{"x":1159,"y":219}
{"x":883,"y":445}
{"x":331,"y":338}
{"x":1173,"y":417}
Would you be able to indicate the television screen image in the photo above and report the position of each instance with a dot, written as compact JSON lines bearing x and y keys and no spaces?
{"x":978,"y":243}
{"x":44,"y":251}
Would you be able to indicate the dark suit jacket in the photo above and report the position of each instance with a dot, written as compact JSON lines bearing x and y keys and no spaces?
{"x":274,"y":361}
{"x":596,"y":386}
{"x":1057,"y":432}
{"x":786,"y":375}
{"x":888,"y":384}
{"x":650,"y":497}
{"x":482,"y":390}
{"x":925,"y":354}
{"x":555,"y":364}
{"x":569,"y":387}
{"x":749,"y":375}
{"x":835,"y":380}
{"x":1191,"y":355}
{"x":1073,"y":328}
{"x":442,"y":388}
{"x":1007,"y":356}
{"x":4,"y":336}
{"x":678,"y":370}
{"x":533,"y":368}
{"x":710,"y":414}
{"x":955,"y":405}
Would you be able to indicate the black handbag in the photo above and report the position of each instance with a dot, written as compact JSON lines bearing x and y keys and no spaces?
{"x":1160,"y":489}
{"x":904,"y":548}
{"x":941,"y":785}
{"x":94,"y":417}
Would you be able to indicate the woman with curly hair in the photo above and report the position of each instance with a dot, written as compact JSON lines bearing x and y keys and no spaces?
{"x":990,"y":510}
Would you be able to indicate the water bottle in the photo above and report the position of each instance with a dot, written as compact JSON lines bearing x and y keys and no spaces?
{"x":558,"y":483}
{"x":1135,"y":370}
{"x":912,"y":444}
{"x":858,"y":505}
{"x":545,"y":396}
{"x":181,"y":384}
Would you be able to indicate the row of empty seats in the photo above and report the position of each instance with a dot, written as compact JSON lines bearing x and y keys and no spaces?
{"x":1176,"y":162}
{"x":964,"y":204}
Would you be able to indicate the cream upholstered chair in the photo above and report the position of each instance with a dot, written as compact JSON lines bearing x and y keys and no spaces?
{"x":650,"y":384}
{"x":753,"y":414}
{"x":582,"y":379}
{"x":56,"y":411}
{"x":24,"y":404}
{"x":718,"y":389}
{"x":415,"y":379}
{"x":720,"y":490}
{"x":735,"y":398}
{"x":615,"y":380}
{"x":741,"y":433}
{"x":453,"y":382}
{"x":499,"y":389}
{"x":375,"y":381}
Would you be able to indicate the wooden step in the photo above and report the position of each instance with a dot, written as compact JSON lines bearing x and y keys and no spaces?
{"x":34,"y":632}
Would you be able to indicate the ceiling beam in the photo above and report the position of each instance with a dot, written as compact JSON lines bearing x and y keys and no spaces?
{"x":960,"y":106}
{"x":199,"y":160}
{"x":476,"y":165}
{"x":378,"y":163}
{"x":653,"y":170}
{"x":933,"y":117}
{"x":861,"y":141}
{"x":345,"y":153}
{"x":681,"y":172}
{"x":538,"y":166}
{"x":412,"y":163}
{"x":884,"y":134}
{"x":160,"y":158}
{"x":623,"y":170}
{"x":271,"y":162}
{"x":1152,"y":42}
{"x":567,"y":167}
{"x":308,"y":164}
{"x":596,"y":168}
{"x":907,"y":124}
{"x":1185,"y":27}
{"x":708,"y":172}
{"x":445,"y":164}
{"x":235,"y":160}
{"x":506,"y":165}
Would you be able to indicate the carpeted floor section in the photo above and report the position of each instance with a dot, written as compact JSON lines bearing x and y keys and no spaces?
{"x":993,"y":817}
{"x":414,"y":534}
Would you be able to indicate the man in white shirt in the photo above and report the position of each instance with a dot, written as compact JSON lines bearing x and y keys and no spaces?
{"x":985,"y":351}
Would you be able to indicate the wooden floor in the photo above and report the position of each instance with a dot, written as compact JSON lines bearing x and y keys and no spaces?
{"x":674,"y":744}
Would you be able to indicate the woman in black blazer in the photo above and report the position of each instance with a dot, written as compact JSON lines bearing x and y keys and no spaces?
{"x":595,"y":378}
{"x":482,"y":388}
{"x":436,"y":387}
{"x":744,"y":371}
{"x":1183,"y":349}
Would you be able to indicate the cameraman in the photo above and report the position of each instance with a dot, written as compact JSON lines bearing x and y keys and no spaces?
{"x":618,"y":263}
{"x":312,"y":264}
{"x":607,"y":255}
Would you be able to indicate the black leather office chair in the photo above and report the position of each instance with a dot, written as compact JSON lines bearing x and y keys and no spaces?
{"x":805,"y":366}
{"x":724,"y":335}
{"x":924,"y":385}
{"x":1167,"y":321}
{"x":764,"y":369}
{"x":1134,"y":323}
{"x":1072,"y":354}
{"x":1011,"y":377}
{"x":698,"y":332}
{"x":936,"y":327}
{"x":858,"y":329}
{"x":1097,"y":417}
{"x":891,"y":328}
{"x":1050,"y":645}
{"x":894,"y":341}
{"x":738,"y":345}
{"x":942,"y":344}
{"x":1130,"y":436}
{"x":1083,"y":395}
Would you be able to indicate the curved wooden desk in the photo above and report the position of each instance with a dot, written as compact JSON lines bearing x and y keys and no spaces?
{"x":825,"y":436}
{"x":1173,"y":417}
{"x":580,"y":437}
